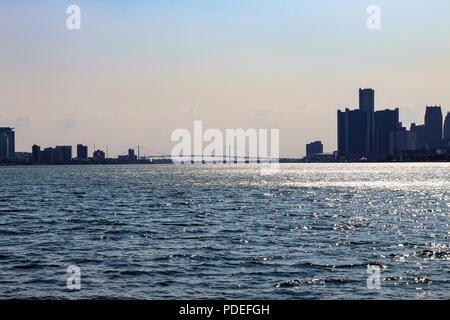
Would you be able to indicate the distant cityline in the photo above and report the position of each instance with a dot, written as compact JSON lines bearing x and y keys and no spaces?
{"x":363,"y":134}
{"x":58,"y":154}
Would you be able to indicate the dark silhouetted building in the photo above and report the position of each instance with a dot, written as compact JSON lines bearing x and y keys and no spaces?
{"x":385,"y":122}
{"x":98,"y":155}
{"x":7,"y":144}
{"x":57,"y":155}
{"x":64,"y":154}
{"x":23,"y":157}
{"x":419,"y":130}
{"x":402,"y":140}
{"x":82,"y":152}
{"x":36,"y":152}
{"x":352,"y":131}
{"x":313,"y":148}
{"x":447,"y":127}
{"x":49,"y":155}
{"x":356,"y":129}
{"x":433,"y":126}
{"x":341,"y":152}
{"x":131,"y":155}
{"x":397,"y":142}
{"x":411,"y":140}
{"x":367,"y":104}
{"x":322,"y":157}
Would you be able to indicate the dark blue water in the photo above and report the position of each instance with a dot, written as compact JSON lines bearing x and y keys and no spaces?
{"x":225,"y":231}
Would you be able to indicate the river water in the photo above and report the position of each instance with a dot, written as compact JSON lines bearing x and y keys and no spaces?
{"x":311,"y":231}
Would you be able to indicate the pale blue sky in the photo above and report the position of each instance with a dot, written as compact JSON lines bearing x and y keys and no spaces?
{"x":139,"y":69}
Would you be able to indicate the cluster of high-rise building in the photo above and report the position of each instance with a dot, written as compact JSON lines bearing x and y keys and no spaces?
{"x":364,"y":133}
{"x":56,"y":155}
{"x":63,"y":155}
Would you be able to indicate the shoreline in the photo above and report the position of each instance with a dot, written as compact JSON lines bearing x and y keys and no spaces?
{"x":18,"y":164}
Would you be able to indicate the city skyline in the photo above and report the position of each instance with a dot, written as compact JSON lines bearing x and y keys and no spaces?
{"x":368,"y":133}
{"x":362,"y":133}
{"x":134,"y":73}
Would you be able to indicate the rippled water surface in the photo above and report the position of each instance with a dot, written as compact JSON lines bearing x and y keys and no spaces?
{"x":225,"y":231}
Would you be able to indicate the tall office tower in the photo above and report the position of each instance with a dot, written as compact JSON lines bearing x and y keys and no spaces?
{"x":433,"y":125}
{"x":447,"y":127}
{"x":36,"y":152}
{"x":352,"y":129}
{"x":385,"y":122}
{"x":420,"y":135}
{"x":7,"y":144}
{"x":82,"y":152}
{"x":341,"y":152}
{"x":367,"y":104}
{"x":314,"y":148}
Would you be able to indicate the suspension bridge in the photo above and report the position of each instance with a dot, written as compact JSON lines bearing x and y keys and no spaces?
{"x":234,"y":155}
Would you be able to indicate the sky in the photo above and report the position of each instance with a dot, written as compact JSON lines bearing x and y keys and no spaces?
{"x":137,"y":70}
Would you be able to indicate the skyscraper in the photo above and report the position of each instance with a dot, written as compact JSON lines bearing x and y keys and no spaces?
{"x":82,"y":152}
{"x":385,"y":122}
{"x":7,"y":144}
{"x":341,"y":134}
{"x":356,"y":129}
{"x":447,"y":127}
{"x":419,"y":130}
{"x":433,"y":125}
{"x":352,"y":129}
{"x":367,"y":104}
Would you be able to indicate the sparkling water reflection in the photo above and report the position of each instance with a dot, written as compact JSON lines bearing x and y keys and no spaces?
{"x":225,"y":231}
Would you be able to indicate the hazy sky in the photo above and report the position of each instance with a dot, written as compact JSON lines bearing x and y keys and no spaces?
{"x":137,"y":70}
